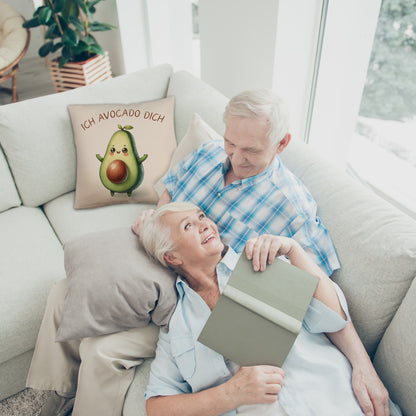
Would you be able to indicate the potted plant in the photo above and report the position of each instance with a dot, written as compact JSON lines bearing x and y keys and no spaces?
{"x":68,"y":32}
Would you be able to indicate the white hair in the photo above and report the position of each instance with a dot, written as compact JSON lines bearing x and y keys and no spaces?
{"x":261,"y":103}
{"x":155,"y":235}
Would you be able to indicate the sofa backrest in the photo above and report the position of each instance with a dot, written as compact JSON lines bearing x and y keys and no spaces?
{"x":194,"y":96}
{"x":9,"y":197}
{"x":376,"y":245}
{"x":36,"y":135}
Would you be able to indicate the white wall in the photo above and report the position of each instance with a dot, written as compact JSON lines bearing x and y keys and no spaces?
{"x":238,"y":42}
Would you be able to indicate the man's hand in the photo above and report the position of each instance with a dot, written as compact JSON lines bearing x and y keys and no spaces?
{"x":141,"y":219}
{"x":370,"y":392}
{"x":255,"y":385}
{"x":264,"y":249}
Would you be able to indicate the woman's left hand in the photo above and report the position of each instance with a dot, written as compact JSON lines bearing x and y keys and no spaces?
{"x":264,"y":249}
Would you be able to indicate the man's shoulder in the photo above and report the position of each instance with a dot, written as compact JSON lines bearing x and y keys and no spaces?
{"x":287,"y":182}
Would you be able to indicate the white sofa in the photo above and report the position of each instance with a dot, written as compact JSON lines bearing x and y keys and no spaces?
{"x":376,"y":243}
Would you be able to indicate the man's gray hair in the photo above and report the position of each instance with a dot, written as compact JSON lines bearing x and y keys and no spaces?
{"x":155,"y":234}
{"x":261,"y":103}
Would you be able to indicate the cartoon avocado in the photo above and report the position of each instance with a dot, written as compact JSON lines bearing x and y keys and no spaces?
{"x":121,"y":168}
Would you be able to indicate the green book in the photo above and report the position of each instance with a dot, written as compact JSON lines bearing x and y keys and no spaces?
{"x":259,"y":314}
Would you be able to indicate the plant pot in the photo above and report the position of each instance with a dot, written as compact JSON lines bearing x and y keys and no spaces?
{"x":78,"y":74}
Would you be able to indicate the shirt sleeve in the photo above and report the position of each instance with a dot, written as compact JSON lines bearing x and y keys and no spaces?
{"x":172,"y":179}
{"x":165,"y":378}
{"x":315,"y":240}
{"x":319,"y":318}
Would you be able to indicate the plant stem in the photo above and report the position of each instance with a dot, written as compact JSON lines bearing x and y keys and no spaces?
{"x":55,"y":16}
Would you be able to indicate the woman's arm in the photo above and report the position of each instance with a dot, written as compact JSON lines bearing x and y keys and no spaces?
{"x":368,"y":388}
{"x":250,"y":385}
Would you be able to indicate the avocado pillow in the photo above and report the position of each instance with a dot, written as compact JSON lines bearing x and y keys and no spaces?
{"x":122,"y":150}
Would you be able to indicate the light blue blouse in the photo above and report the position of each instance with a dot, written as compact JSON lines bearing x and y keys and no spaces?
{"x":317,"y":375}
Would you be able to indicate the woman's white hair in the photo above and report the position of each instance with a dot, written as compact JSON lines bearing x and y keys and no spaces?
{"x":155,"y":235}
{"x":261,"y":103}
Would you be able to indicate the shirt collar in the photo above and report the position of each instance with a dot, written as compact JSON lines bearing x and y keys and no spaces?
{"x":252,"y":180}
{"x":224,"y":269}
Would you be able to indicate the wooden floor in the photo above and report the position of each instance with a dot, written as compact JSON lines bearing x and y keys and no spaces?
{"x":33,"y":80}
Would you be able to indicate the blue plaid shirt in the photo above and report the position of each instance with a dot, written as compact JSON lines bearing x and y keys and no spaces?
{"x":272,"y":202}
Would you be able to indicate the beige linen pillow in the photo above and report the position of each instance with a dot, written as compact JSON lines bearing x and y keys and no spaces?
{"x":113,"y":285}
{"x":122,"y":150}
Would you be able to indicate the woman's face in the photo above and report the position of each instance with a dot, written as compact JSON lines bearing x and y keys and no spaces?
{"x":195,"y":236}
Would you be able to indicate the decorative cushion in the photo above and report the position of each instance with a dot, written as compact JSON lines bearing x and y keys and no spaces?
{"x":41,"y":151}
{"x":113,"y":285}
{"x":122,"y":150}
{"x":198,"y":133}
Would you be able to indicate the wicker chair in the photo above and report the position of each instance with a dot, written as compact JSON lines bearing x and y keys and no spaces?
{"x":14,"y":42}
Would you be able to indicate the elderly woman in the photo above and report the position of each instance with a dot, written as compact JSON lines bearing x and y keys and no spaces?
{"x":187,"y":378}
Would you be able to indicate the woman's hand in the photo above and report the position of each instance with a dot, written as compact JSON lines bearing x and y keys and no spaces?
{"x":255,"y":385}
{"x":264,"y":249}
{"x":141,"y":219}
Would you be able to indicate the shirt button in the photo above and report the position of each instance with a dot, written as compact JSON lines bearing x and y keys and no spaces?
{"x":219,"y":194}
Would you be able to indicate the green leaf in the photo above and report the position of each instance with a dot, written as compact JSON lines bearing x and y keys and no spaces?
{"x":97,"y":49}
{"x":77,"y":23}
{"x":128,"y":127}
{"x":62,"y":61}
{"x":100,"y":27}
{"x":34,"y":22}
{"x":45,"y":49}
{"x":58,"y":5}
{"x":66,"y":53}
{"x":52,"y":32}
{"x":70,"y":37}
{"x":57,"y":46}
{"x":44,"y":15}
{"x":71,"y":8}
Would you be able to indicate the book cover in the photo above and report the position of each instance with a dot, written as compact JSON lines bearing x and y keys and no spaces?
{"x":259,"y":314}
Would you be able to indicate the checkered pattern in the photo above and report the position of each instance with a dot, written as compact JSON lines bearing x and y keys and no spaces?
{"x":273,"y":202}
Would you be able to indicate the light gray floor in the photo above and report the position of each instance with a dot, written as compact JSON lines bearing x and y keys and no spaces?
{"x":33,"y":80}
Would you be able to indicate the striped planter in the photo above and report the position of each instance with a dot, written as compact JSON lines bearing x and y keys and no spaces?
{"x":78,"y":74}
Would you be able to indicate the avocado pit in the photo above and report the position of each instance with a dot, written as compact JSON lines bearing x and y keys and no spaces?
{"x":117,"y":171}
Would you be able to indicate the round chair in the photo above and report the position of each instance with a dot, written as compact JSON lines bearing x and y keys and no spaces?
{"x":14,"y":42}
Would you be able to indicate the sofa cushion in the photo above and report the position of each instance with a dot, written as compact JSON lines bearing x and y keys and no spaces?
{"x":41,"y":150}
{"x":9,"y":196}
{"x":195,"y":96}
{"x":394,"y":359}
{"x":70,"y":223}
{"x":31,"y":260}
{"x":122,"y":150}
{"x":374,"y":241}
{"x":113,"y":286}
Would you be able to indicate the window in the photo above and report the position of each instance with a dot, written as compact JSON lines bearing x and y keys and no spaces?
{"x":383,"y":147}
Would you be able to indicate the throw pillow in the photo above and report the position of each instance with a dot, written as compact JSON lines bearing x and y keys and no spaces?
{"x":113,"y":285}
{"x":122,"y":150}
{"x":198,"y":133}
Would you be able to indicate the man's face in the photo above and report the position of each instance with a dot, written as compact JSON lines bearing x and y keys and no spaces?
{"x":248,"y":146}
